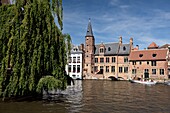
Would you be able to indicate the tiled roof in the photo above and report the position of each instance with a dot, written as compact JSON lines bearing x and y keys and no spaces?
{"x":151,"y":54}
{"x":76,"y":49}
{"x":113,"y":49}
{"x":153,"y":45}
{"x":124,"y":49}
{"x":165,"y":46}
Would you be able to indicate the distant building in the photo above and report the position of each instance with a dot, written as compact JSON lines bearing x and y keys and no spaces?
{"x":106,"y":59}
{"x":75,"y":62}
{"x":4,"y":2}
{"x":151,"y":63}
{"x":167,"y":46}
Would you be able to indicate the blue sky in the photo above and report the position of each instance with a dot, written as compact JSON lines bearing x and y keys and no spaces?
{"x":146,"y":21}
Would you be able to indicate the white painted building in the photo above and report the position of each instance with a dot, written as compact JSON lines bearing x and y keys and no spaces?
{"x":75,"y":62}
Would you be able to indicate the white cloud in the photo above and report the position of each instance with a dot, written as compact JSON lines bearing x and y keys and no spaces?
{"x":114,"y":2}
{"x":109,"y":25}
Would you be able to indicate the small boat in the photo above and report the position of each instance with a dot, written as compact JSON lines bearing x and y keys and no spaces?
{"x":143,"y":82}
{"x":167,"y":83}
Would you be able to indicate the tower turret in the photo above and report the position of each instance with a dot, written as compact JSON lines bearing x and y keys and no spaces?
{"x":89,"y":49}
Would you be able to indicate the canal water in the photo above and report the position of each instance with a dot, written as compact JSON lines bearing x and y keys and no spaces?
{"x":98,"y":96}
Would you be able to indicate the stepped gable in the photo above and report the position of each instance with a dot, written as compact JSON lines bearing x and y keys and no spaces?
{"x":148,"y":55}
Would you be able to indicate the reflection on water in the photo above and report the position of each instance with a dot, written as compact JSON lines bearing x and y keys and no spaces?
{"x":98,"y":96}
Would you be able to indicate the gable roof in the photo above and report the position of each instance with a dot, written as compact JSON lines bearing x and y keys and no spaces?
{"x":76,"y":49}
{"x":153,"y":54}
{"x":153,"y":45}
{"x":165,"y":46}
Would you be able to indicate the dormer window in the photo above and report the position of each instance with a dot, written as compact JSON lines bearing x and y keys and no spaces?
{"x":109,"y":49}
{"x":154,"y":55}
{"x":124,"y":48}
{"x":75,"y":49}
{"x":101,"y":50}
{"x":140,"y":55}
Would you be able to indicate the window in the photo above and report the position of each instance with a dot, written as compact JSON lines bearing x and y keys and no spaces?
{"x":154,"y":55}
{"x":125,"y":69}
{"x":140,"y":55}
{"x":101,"y":69}
{"x":161,"y":71}
{"x":113,"y":59}
{"x":124,"y":48}
{"x":74,"y":68}
{"x":74,"y":59}
{"x":147,"y":62}
{"x":109,"y":49}
{"x":96,"y":60}
{"x":75,"y":49}
{"x":107,"y":59}
{"x":70,"y":59}
{"x":154,"y":71}
{"x":107,"y":68}
{"x":153,"y":63}
{"x":78,"y":59}
{"x":101,"y":50}
{"x":120,"y":69}
{"x":140,"y":63}
{"x":78,"y":68}
{"x":134,"y":62}
{"x":101,"y":60}
{"x":112,"y":68}
{"x":69,"y":68}
{"x":146,"y":71}
{"x":133,"y":71}
{"x":95,"y":68}
{"x":125,"y":59}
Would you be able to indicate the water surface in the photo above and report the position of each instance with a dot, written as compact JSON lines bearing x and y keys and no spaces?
{"x":98,"y":96}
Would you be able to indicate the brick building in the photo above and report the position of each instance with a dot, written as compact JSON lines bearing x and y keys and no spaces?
{"x":106,"y":59}
{"x":149,"y":63}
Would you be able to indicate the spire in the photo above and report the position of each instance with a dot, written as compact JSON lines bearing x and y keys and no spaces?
{"x":89,"y":29}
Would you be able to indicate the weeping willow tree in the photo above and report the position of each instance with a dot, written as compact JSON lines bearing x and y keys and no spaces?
{"x":33,"y":50}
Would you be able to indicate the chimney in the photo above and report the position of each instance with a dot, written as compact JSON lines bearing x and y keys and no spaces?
{"x":137,"y":47}
{"x":82,"y":47}
{"x":120,"y":40}
{"x":131,"y":41}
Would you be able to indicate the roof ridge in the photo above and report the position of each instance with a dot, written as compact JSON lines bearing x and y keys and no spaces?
{"x":107,"y":43}
{"x":151,"y":49}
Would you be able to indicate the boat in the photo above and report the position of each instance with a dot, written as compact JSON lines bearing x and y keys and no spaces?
{"x":143,"y":82}
{"x":167,"y":83}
